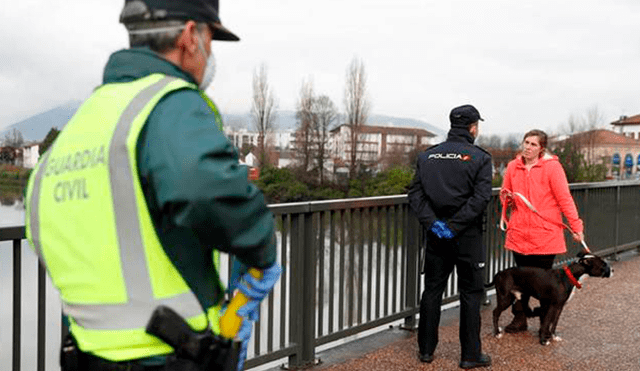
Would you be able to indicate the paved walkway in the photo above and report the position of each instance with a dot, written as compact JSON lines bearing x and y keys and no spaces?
{"x":600,"y":328}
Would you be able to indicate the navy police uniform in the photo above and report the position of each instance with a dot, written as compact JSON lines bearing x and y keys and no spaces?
{"x":453,"y":184}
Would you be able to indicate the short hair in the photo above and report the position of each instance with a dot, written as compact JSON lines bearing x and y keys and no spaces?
{"x":542,"y":137}
{"x":161,"y":41}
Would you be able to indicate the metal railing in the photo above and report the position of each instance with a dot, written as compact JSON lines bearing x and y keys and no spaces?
{"x":354,"y":265}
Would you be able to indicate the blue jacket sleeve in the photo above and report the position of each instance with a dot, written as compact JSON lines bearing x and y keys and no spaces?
{"x":198,"y":183}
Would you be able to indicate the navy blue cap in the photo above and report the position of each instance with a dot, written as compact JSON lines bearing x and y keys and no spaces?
{"x":206,"y":11}
{"x":463,"y":116}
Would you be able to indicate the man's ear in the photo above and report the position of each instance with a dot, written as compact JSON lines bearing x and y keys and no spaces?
{"x":188,"y":39}
{"x":473,"y":129}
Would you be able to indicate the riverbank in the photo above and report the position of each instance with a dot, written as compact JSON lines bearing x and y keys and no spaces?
{"x":13,"y":180}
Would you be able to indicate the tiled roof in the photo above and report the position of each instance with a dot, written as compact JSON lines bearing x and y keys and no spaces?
{"x":624,"y":120}
{"x":391,"y":130}
{"x":602,"y":137}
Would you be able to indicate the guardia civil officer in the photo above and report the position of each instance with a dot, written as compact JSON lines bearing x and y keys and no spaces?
{"x":129,"y":207}
{"x":449,"y":194}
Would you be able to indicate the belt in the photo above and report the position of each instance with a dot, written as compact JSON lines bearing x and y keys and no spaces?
{"x":93,"y":363}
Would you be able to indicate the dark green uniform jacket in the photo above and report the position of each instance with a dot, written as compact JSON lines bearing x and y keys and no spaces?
{"x":197,"y":193}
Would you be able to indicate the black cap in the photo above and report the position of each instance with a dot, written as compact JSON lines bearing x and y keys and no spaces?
{"x":463,"y":116}
{"x":205,"y":11}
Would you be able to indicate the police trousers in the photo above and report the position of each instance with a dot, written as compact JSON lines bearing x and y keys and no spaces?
{"x":467,"y":254}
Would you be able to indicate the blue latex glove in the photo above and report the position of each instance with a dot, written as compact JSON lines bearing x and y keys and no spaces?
{"x":441,"y":229}
{"x":258,"y":289}
{"x":255,"y":290}
{"x":244,"y":334}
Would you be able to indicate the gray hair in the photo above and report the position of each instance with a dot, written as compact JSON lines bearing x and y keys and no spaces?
{"x":159,"y":36}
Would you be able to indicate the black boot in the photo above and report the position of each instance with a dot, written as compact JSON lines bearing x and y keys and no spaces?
{"x":483,"y":361}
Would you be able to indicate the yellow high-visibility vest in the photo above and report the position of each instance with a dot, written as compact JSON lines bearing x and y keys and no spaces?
{"x":88,"y":222}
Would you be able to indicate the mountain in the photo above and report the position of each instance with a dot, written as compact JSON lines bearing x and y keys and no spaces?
{"x":35,"y":128}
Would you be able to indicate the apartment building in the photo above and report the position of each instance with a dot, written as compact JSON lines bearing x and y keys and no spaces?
{"x":628,"y":126}
{"x":377,"y":144}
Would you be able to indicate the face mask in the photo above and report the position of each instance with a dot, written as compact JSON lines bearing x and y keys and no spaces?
{"x":210,"y":69}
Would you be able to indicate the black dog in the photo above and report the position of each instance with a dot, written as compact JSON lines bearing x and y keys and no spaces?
{"x":552,"y":287}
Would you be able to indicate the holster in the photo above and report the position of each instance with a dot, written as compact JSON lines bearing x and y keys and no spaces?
{"x":218,"y":354}
{"x":69,"y":354}
{"x":203,"y":349}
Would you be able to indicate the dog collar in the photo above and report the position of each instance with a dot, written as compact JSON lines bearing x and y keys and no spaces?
{"x":572,"y":279}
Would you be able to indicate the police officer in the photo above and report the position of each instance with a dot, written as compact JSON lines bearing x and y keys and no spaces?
{"x":449,"y":194}
{"x":131,"y":204}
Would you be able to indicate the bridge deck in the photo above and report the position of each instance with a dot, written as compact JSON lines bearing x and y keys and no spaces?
{"x":600,"y":327}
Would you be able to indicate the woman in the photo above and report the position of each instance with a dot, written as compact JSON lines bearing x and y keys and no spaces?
{"x":536,"y":238}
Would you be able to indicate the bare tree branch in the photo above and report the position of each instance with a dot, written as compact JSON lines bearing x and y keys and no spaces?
{"x":304,"y":132}
{"x":356,"y":110}
{"x":13,"y":138}
{"x":262,"y":111}
{"x":315,"y":116}
{"x":325,"y":114}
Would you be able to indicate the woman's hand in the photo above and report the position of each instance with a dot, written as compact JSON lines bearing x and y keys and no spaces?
{"x":579,"y":237}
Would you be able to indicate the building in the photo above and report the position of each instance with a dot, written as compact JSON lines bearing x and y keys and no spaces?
{"x":283,"y":140}
{"x":620,"y":152}
{"x":378,"y":145}
{"x":30,"y":155}
{"x":628,"y":126}
{"x":26,"y":156}
{"x":242,"y":138}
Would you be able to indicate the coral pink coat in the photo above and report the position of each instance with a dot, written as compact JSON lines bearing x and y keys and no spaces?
{"x":545,"y":186}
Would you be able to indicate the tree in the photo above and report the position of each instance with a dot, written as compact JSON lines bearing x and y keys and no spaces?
{"x":315,"y":116}
{"x":281,"y":185}
{"x":303,"y":136}
{"x":512,"y":142}
{"x":262,"y":111}
{"x":571,"y":160}
{"x":583,"y":136}
{"x":493,"y":141}
{"x":575,"y":165}
{"x":593,"y":121}
{"x":393,"y":181}
{"x":13,"y":138}
{"x":48,"y":140}
{"x":325,"y":114}
{"x":356,"y":110}
{"x":394,"y":156}
{"x":7,"y":155}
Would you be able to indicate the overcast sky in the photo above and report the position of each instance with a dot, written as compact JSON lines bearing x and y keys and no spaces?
{"x":524,"y":64}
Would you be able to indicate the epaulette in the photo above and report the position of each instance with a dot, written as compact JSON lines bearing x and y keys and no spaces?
{"x":433,"y":146}
{"x":482,"y":149}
